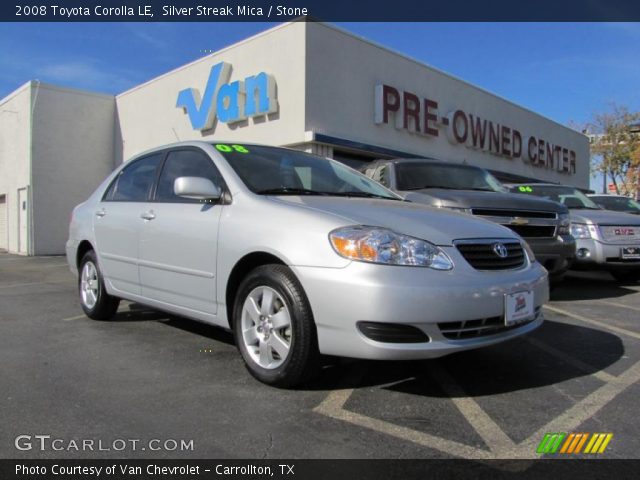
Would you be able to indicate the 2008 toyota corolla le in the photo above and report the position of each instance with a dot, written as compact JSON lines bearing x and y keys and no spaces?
{"x":300,"y":256}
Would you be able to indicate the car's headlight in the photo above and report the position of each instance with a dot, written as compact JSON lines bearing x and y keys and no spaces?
{"x":564,"y":225}
{"x":529,"y":252}
{"x":380,"y":245}
{"x":582,"y":230}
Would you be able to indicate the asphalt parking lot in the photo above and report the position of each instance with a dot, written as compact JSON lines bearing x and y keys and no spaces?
{"x":147,"y":376}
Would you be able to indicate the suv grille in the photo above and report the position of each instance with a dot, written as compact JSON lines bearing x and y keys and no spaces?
{"x":620,"y":233}
{"x":533,"y":231}
{"x":478,"y":328}
{"x":482,"y":255}
{"x":495,"y":212}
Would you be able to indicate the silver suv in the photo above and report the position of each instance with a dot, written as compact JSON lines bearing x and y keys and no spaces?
{"x":473,"y":190}
{"x":606,"y":240}
{"x":299,"y":256}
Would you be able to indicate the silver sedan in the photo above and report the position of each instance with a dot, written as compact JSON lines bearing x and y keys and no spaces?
{"x":299,"y":256}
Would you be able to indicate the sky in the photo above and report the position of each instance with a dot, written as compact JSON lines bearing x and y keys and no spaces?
{"x":564,"y":71}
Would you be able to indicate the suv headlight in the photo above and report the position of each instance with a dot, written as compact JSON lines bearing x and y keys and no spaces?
{"x":564,"y":224}
{"x":583,"y":230}
{"x":380,"y":245}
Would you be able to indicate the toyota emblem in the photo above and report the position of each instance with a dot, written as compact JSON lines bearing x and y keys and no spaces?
{"x":500,"y":250}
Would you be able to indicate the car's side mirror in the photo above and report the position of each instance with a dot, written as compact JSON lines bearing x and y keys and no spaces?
{"x":198,"y":188}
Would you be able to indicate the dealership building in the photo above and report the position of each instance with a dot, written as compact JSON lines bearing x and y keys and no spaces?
{"x":303,"y":85}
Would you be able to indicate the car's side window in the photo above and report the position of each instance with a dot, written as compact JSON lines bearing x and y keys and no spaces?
{"x":185,"y":163}
{"x":133,"y":183}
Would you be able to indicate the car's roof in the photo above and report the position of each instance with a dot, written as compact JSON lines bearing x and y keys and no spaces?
{"x":606,"y":195}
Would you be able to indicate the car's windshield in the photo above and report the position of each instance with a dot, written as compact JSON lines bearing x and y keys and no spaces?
{"x":278,"y":171}
{"x":622,"y":204}
{"x":416,"y":176}
{"x":569,"y":196}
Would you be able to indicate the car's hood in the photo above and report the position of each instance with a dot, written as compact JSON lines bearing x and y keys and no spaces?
{"x":478,"y":199}
{"x":603,"y":217}
{"x":435,"y":225}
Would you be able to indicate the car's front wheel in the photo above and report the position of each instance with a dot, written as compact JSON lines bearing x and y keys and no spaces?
{"x":94,"y":299}
{"x":274,"y":328}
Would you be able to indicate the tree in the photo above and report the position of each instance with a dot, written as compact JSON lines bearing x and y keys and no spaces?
{"x":615,"y":147}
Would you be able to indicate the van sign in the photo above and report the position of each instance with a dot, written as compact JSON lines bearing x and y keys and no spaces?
{"x":230,"y":103}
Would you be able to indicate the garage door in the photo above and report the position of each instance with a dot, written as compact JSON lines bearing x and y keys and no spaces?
{"x":3,"y":222}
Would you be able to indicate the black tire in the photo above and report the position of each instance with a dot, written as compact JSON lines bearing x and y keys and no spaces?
{"x":105,"y":306}
{"x":303,"y":359}
{"x":626,"y":276}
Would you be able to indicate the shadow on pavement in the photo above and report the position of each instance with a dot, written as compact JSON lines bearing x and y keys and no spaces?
{"x":508,"y":367}
{"x":578,"y":286}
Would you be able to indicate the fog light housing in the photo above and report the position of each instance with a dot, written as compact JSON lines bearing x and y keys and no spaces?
{"x":583,"y":253}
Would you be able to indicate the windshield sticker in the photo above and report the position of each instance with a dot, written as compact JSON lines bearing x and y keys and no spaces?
{"x":231,"y":148}
{"x":525,"y":189}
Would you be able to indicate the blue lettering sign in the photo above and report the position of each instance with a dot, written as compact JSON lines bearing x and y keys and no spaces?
{"x":228,"y":102}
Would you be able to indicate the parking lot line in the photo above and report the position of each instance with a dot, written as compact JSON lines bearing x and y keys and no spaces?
{"x":587,"y":407}
{"x":490,"y":432}
{"x":584,"y":319}
{"x":14,"y":285}
{"x":620,"y":305}
{"x":333,"y":405}
{"x":579,"y":364}
{"x":77,"y":317}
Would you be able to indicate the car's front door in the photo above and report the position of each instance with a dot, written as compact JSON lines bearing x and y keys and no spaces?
{"x":117,"y":223}
{"x":179,"y":240}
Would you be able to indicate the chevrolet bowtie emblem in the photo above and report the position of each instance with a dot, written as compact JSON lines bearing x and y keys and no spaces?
{"x":519,"y":221}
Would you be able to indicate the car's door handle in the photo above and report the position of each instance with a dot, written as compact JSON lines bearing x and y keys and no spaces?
{"x":148,"y":215}
{"x":101,"y":213}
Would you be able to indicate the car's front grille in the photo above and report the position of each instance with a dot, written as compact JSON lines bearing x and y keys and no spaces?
{"x":620,"y":233}
{"x":481,"y":327}
{"x":533,"y":231}
{"x":485,"y":254}
{"x":498,"y":212}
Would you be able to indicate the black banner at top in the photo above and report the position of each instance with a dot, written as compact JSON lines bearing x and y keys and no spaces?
{"x":321,"y":10}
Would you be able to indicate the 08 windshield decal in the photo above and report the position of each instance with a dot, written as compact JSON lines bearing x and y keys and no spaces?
{"x":223,"y":147}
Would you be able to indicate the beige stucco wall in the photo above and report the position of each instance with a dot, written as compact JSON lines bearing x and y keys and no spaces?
{"x":148,"y":116}
{"x":73,"y":151}
{"x":342,"y":72}
{"x":15,"y":148}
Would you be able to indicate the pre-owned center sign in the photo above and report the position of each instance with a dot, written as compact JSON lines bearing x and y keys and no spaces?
{"x":407,"y":111}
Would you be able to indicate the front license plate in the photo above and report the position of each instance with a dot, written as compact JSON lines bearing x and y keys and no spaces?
{"x":630,"y":253}
{"x":518,"y":307}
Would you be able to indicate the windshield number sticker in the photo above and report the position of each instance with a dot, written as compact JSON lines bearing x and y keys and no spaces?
{"x":231,"y":148}
{"x":525,"y":189}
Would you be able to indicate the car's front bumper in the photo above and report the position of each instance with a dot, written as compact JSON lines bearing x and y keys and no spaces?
{"x":555,"y":254}
{"x":598,"y":255}
{"x":415,"y":296}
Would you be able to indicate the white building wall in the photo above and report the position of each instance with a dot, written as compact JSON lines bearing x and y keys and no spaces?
{"x":73,"y":151}
{"x":15,"y":151}
{"x":148,"y":116}
{"x":341,"y":75}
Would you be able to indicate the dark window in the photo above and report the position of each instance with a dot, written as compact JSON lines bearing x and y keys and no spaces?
{"x":185,"y":163}
{"x":134,"y":182}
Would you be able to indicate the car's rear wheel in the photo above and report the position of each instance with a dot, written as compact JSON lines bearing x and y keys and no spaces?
{"x":274,"y":328}
{"x":94,"y":299}
{"x":627,"y":276}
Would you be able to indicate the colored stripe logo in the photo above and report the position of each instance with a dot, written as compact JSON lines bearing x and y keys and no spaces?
{"x":573,"y":443}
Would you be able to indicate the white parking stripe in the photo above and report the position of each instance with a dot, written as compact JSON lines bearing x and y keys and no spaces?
{"x":606,"y":326}
{"x":579,"y":364}
{"x":494,"y":437}
{"x":332,"y":407}
{"x":620,"y":305}
{"x":586,"y":408}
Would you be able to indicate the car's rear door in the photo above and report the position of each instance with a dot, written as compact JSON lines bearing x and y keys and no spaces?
{"x":117,"y":222}
{"x":179,"y":241}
